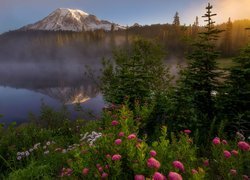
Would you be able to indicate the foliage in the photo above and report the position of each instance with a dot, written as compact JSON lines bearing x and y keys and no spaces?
{"x":137,"y":74}
{"x":200,"y":79}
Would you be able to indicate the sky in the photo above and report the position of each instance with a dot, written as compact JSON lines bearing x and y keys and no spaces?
{"x":17,"y":13}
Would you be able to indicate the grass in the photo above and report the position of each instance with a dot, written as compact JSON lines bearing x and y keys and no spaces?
{"x":225,"y":63}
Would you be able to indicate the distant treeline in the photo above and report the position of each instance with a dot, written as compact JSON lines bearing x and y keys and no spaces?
{"x":92,"y":45}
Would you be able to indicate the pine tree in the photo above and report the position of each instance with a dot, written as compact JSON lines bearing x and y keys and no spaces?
{"x":227,"y":43}
{"x":176,"y":21}
{"x":137,"y":73}
{"x":236,"y":99}
{"x":200,"y":79}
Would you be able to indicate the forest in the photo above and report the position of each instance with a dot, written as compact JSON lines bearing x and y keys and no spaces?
{"x":154,"y":125}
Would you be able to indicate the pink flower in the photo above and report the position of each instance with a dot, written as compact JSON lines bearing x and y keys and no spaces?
{"x":233,"y":172}
{"x":224,"y":141}
{"x":132,"y":136}
{"x":235,"y":153}
{"x":187,"y":131}
{"x":153,"y":163}
{"x":114,"y":123}
{"x":100,"y":169}
{"x":116,"y":157}
{"x":98,"y":165}
{"x":152,"y":153}
{"x":107,"y":166}
{"x":227,"y":154}
{"x":245,"y":177}
{"x":108,"y":156}
{"x":118,"y":141}
{"x":194,"y":171}
{"x":244,"y":146}
{"x":206,"y":162}
{"x":121,"y":134}
{"x":178,"y":165}
{"x":216,"y":141}
{"x":139,"y":177}
{"x":174,"y":176}
{"x":85,"y":171}
{"x":104,"y":175}
{"x":158,"y":176}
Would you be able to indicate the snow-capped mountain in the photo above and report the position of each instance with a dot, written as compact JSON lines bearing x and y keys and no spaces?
{"x":64,"y":19}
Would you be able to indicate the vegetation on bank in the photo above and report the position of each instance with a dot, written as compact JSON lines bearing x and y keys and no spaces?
{"x":196,"y":128}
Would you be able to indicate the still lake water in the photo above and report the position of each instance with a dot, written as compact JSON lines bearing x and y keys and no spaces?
{"x":24,"y":86}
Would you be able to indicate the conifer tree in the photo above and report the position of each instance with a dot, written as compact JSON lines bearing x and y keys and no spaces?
{"x":227,"y":44}
{"x":200,"y":79}
{"x":236,"y":99}
{"x":176,"y":21}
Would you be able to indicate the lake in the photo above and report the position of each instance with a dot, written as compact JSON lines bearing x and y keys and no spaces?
{"x":25,"y":86}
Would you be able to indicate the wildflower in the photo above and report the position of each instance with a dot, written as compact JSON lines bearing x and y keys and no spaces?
{"x":233,"y":172}
{"x":187,"y":131}
{"x":174,"y":176}
{"x":235,"y":153}
{"x":22,"y":153}
{"x":27,"y":153}
{"x":132,"y":136}
{"x":46,"y":152}
{"x":158,"y":176}
{"x":227,"y":154}
{"x":108,"y":156}
{"x":206,"y":162}
{"x":100,"y":169}
{"x":244,"y":146}
{"x":31,"y":150}
{"x":64,"y":151}
{"x":216,"y":141}
{"x":194,"y":171}
{"x":98,"y":165}
{"x":44,"y":147}
{"x":139,"y":177}
{"x":118,"y":141}
{"x":18,"y":153}
{"x":153,"y":163}
{"x":85,"y":171}
{"x":152,"y":153}
{"x":36,"y":145}
{"x":116,"y":157}
{"x":178,"y":165}
{"x":107,"y":166}
{"x":48,"y":143}
{"x":121,"y":134}
{"x":240,"y":136}
{"x":245,"y":177}
{"x":114,"y":123}
{"x":19,"y":158}
{"x":66,"y":172}
{"x":224,"y":142}
{"x":104,"y":175}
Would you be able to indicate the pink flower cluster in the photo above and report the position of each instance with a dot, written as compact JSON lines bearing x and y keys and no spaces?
{"x":174,"y":176}
{"x":118,"y":141}
{"x":216,"y":141}
{"x":227,"y":154}
{"x":139,"y":177}
{"x":66,"y":172}
{"x":116,"y":157}
{"x":132,"y":136}
{"x":158,"y":176}
{"x":244,"y":146}
{"x":153,"y":163}
{"x":152,"y":153}
{"x":114,"y":123}
{"x":178,"y":165}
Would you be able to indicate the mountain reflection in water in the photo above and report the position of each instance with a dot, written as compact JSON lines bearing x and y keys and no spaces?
{"x":24,"y":86}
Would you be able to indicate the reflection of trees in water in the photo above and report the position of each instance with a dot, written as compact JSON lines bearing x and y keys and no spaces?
{"x":71,"y":95}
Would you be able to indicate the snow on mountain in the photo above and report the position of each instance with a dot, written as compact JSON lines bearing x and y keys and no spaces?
{"x":65,"y":19}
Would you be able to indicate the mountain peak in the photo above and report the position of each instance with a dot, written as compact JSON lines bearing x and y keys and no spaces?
{"x":65,"y":19}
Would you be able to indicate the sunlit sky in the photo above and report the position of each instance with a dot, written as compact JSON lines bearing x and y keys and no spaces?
{"x":17,"y":13}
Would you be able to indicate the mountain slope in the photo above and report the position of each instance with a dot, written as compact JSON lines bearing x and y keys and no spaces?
{"x":64,"y":19}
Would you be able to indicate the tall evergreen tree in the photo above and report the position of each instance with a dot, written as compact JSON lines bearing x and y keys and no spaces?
{"x":199,"y":80}
{"x":236,"y":99}
{"x":176,"y":21}
{"x":227,"y":43}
